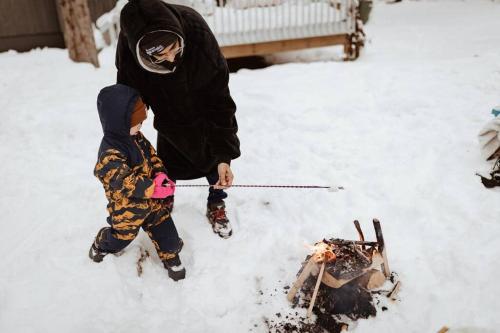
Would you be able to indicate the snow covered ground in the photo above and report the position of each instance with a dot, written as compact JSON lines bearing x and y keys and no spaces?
{"x":397,"y":128}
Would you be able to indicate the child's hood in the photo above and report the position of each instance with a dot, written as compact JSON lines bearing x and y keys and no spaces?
{"x":115,"y":105}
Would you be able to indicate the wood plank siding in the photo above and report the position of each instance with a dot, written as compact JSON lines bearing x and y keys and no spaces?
{"x":26,"y":24}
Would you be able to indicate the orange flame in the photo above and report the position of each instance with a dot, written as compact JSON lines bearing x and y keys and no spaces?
{"x":322,"y":252}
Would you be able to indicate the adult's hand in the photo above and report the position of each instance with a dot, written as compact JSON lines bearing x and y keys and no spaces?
{"x":225,"y":176}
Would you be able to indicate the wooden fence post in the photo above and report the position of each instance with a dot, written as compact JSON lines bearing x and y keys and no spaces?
{"x":76,"y":24}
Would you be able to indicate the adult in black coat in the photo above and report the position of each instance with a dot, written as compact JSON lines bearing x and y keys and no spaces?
{"x":168,"y":53}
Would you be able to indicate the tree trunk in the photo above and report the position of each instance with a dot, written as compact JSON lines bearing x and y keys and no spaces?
{"x":74,"y":17}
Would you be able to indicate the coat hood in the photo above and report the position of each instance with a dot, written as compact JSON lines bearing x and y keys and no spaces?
{"x":139,"y":17}
{"x":115,"y":105}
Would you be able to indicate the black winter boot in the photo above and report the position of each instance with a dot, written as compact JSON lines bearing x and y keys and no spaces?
{"x":176,"y":270}
{"x":216,"y":214}
{"x":95,"y":254}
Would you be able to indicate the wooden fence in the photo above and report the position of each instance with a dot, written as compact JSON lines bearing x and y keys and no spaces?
{"x":256,"y":27}
{"x":26,"y":24}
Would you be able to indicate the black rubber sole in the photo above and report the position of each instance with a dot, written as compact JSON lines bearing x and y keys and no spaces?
{"x":176,"y":276}
{"x":223,"y":236}
{"x":95,"y":258}
{"x":215,"y":232}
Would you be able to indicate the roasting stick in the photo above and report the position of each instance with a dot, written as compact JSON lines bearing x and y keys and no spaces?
{"x":316,"y":288}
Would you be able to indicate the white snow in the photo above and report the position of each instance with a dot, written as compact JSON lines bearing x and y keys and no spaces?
{"x":397,"y":128}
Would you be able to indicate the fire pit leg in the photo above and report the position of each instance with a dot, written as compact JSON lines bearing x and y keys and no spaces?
{"x":308,"y":268}
{"x":381,"y":247}
{"x":316,"y":288}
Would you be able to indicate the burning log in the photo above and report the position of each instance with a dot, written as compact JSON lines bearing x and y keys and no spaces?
{"x":304,"y":274}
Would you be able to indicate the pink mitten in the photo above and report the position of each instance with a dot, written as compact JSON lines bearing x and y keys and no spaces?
{"x":159,"y":178}
{"x":160,"y":191}
{"x":171,"y":187}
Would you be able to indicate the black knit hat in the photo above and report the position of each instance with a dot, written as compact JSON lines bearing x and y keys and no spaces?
{"x":156,"y":41}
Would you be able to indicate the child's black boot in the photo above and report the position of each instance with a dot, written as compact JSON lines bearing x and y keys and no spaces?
{"x":176,"y":270}
{"x":96,"y":254}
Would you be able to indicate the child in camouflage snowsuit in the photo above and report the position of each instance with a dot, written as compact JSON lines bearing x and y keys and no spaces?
{"x":134,"y":180}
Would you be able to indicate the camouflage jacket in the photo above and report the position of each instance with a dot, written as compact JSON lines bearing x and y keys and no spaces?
{"x":123,"y":182}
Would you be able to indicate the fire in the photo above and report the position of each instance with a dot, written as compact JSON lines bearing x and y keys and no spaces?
{"x":323,"y":252}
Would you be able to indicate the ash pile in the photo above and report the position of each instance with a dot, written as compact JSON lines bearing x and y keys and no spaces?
{"x":340,"y":282}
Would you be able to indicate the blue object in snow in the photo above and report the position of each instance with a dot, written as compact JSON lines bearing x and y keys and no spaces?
{"x":496,"y":110}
